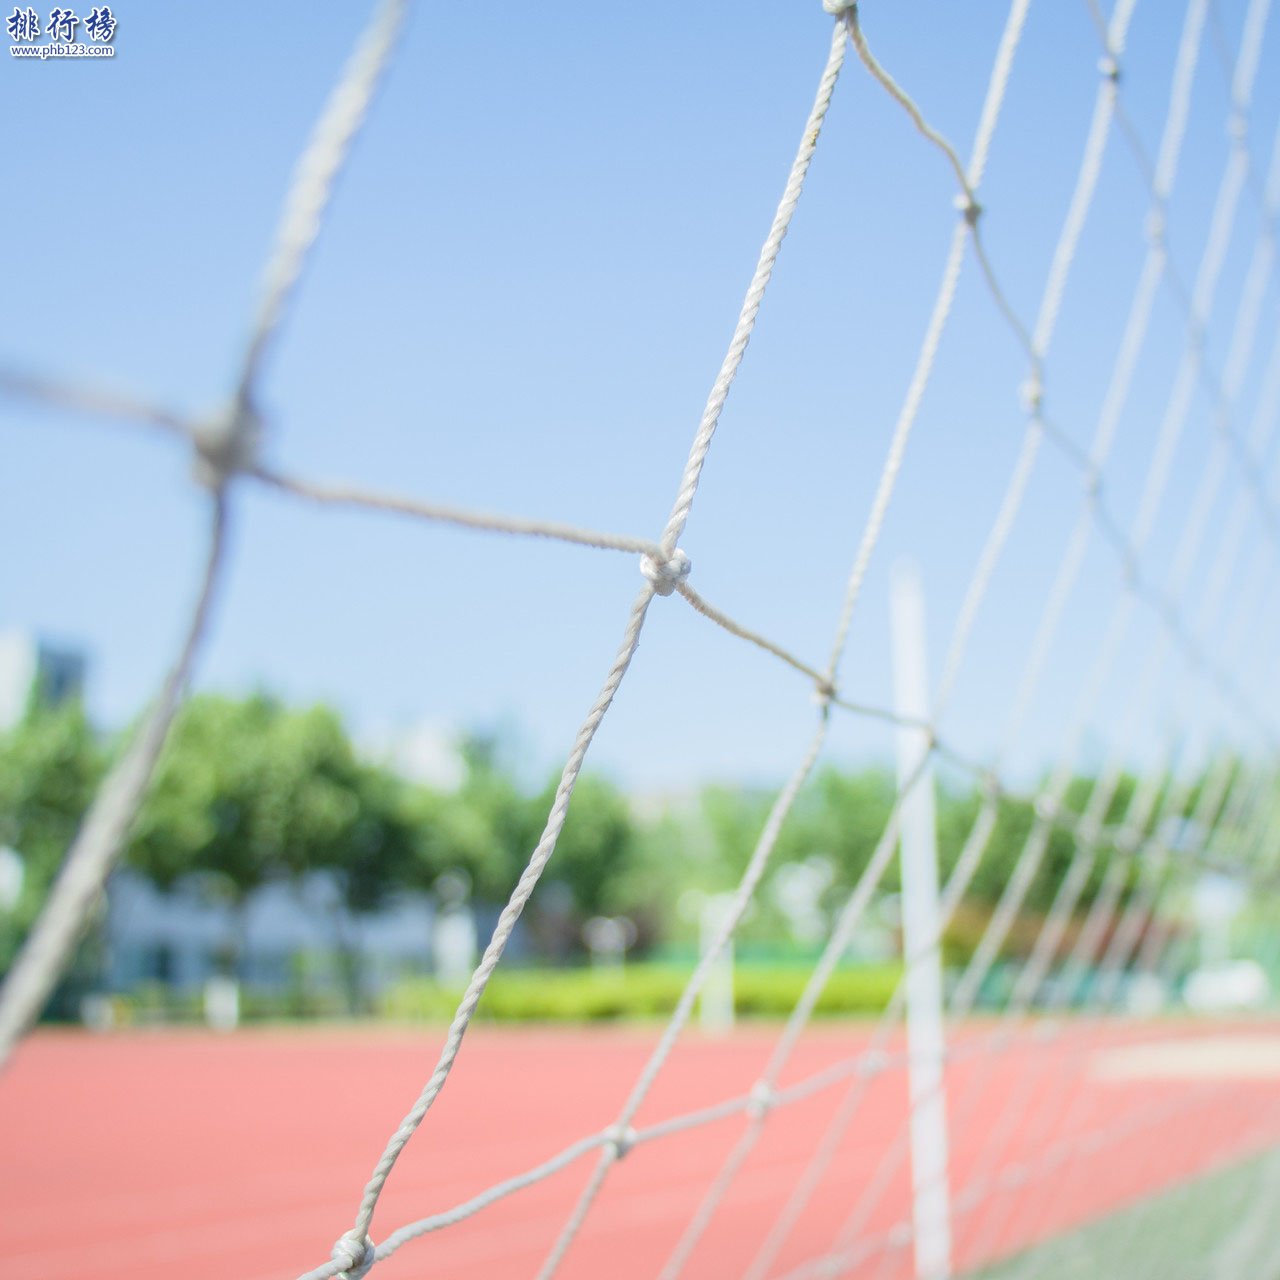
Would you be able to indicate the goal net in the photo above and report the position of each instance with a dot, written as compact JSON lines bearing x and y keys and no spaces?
{"x":1075,"y":1074}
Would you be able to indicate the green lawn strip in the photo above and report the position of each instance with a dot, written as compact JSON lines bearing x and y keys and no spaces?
{"x":639,"y":991}
{"x":1219,"y":1227}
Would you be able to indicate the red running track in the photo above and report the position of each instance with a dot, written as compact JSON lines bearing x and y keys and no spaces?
{"x":137,"y":1156}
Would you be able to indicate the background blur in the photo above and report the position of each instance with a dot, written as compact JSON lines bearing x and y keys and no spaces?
{"x":518,"y":299}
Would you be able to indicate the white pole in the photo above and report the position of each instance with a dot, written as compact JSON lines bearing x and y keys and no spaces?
{"x":716,"y":1005}
{"x":926,"y":1044}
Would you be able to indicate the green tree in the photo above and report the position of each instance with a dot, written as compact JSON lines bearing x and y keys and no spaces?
{"x":246,"y":791}
{"x":50,"y":765}
{"x":485,"y":829}
{"x":596,"y":847}
{"x":843,"y":816}
{"x":249,"y":791}
{"x":733,"y":817}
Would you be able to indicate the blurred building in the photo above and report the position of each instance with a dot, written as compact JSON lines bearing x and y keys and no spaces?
{"x":32,"y":667}
{"x":287,"y":937}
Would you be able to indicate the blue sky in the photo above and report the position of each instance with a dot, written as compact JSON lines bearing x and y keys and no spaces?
{"x":518,"y":303}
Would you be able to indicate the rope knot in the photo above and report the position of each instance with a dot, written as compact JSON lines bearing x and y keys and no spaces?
{"x":357,"y":1256}
{"x":621,"y":1139}
{"x":968,"y":205}
{"x":666,"y":575}
{"x":1110,"y":68}
{"x":837,"y":8}
{"x":873,"y":1063}
{"x":1088,"y":831}
{"x":1127,"y":840}
{"x":1032,"y":395}
{"x":226,"y":444}
{"x":762,"y":1100}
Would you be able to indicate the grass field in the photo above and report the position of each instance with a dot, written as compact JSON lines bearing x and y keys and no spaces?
{"x":1222,"y":1226}
{"x":141,"y":1155}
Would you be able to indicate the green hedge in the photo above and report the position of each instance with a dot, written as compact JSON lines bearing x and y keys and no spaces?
{"x":638,"y":991}
{"x":154,"y":1003}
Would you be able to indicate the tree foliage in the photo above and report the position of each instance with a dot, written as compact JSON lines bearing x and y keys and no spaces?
{"x":50,"y":764}
{"x":596,"y":847}
{"x":249,"y":791}
{"x":486,"y":829}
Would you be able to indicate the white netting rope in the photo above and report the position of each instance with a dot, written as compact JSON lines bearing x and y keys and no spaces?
{"x":224,"y":445}
{"x":1050,"y":936}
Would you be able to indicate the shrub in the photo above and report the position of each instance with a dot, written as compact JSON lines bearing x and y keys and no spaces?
{"x":638,"y":991}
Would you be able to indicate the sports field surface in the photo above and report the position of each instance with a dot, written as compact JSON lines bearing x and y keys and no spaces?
{"x":141,"y":1155}
{"x":1217,"y":1227}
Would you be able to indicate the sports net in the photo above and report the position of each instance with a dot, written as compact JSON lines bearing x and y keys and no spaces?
{"x":1061,"y":1102}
